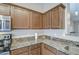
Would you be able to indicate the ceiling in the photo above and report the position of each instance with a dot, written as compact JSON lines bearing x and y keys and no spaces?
{"x":40,"y":7}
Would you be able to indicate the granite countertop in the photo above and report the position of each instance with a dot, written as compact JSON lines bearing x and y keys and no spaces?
{"x":68,"y":37}
{"x":65,"y":37}
{"x":58,"y":44}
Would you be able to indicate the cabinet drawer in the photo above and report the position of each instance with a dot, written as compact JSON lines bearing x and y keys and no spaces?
{"x":19,"y":51}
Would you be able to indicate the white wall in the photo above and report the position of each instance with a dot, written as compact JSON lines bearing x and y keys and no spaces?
{"x":53,"y":32}
{"x":26,"y":32}
{"x":72,"y":20}
{"x":74,"y":7}
{"x":50,"y":32}
{"x":76,"y":26}
{"x":67,"y":19}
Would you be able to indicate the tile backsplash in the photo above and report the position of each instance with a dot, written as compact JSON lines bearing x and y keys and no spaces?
{"x":50,"y":32}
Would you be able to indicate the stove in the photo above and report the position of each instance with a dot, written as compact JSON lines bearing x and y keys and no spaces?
{"x":5,"y":44}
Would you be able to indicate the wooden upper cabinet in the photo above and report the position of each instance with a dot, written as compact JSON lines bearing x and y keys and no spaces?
{"x":62,"y":17}
{"x":44,"y":21}
{"x":24,"y":19}
{"x":4,"y":9}
{"x":55,"y":18}
{"x":47,"y":20}
{"x":36,"y":20}
{"x":58,"y":18}
{"x":20,"y":18}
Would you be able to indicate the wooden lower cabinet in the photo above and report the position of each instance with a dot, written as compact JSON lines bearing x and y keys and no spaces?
{"x":37,"y":49}
{"x":47,"y":50}
{"x":30,"y":50}
{"x":20,"y":51}
{"x":24,"y":53}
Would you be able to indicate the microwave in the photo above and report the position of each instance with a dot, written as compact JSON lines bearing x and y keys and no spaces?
{"x":5,"y":23}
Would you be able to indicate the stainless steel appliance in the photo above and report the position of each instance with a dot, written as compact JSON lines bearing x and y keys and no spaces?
{"x":5,"y":23}
{"x":5,"y":44}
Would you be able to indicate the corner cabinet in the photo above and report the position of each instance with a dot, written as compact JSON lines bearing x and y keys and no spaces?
{"x":58,"y":17}
{"x":37,"y":49}
{"x":48,"y":50}
{"x":54,"y":18}
{"x":47,"y":20}
{"x":36,"y":20}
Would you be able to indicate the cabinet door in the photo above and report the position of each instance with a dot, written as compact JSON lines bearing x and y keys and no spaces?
{"x":55,"y":18}
{"x":35,"y":51}
{"x":44,"y":21}
{"x":47,"y":50}
{"x":58,"y":18}
{"x":20,"y":51}
{"x":36,"y":20}
{"x":4,"y":9}
{"x":20,"y":18}
{"x":62,"y":17}
{"x":47,"y":20}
